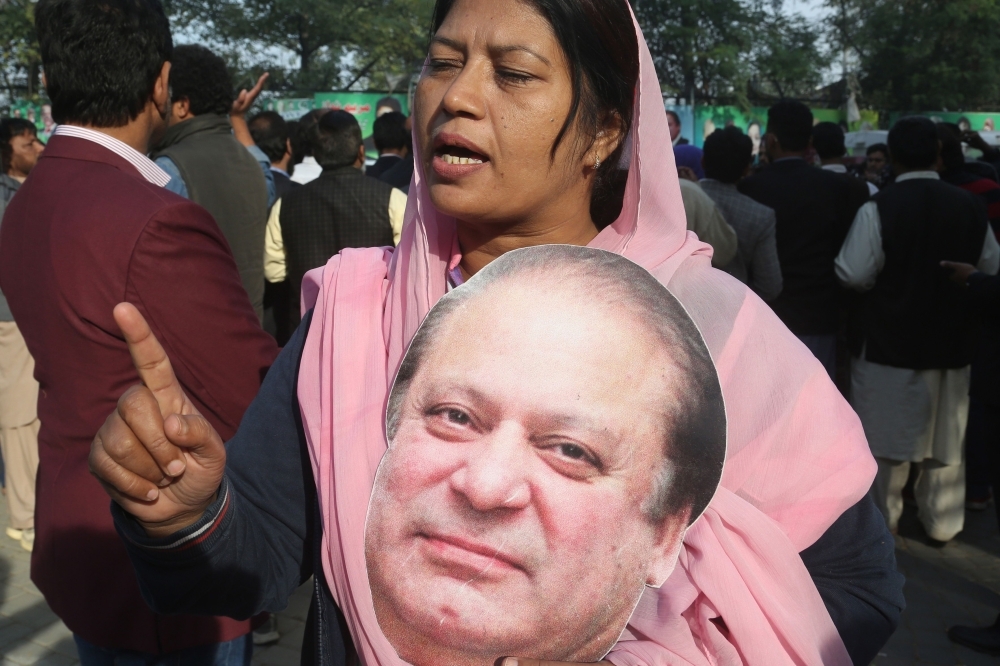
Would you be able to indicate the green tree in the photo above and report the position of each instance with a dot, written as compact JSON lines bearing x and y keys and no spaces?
{"x":921,"y":54}
{"x":20,"y":63}
{"x":336,"y":43}
{"x":730,"y":50}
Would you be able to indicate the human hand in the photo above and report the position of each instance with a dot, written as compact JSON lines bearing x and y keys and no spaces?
{"x":975,"y":140}
{"x":959,"y":272}
{"x":156,"y":456}
{"x":246,"y":98}
{"x":687,"y":173}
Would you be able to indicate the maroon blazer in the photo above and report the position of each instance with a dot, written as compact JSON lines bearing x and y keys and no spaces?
{"x":84,"y":233}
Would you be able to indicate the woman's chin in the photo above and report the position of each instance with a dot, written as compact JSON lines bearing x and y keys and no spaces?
{"x":460,"y":203}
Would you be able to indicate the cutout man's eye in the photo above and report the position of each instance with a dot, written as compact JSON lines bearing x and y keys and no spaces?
{"x":457,"y":416}
{"x":573,"y":451}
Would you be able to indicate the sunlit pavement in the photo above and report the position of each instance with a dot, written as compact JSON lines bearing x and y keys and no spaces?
{"x":957,"y":584}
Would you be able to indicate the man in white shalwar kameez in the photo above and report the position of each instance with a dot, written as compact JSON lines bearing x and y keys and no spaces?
{"x":910,"y":383}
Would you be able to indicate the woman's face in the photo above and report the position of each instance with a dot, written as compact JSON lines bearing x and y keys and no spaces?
{"x":496,"y":91}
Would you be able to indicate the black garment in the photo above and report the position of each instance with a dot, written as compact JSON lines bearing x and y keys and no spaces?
{"x":400,"y":174}
{"x":339,"y":209}
{"x":8,"y":186}
{"x":814,"y":209}
{"x":984,"y":292}
{"x":267,"y":541}
{"x":382,"y":164}
{"x":915,"y":316}
{"x":221,"y":175}
{"x":282,"y":184}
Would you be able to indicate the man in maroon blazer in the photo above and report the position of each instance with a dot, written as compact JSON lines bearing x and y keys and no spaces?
{"x":92,"y":227}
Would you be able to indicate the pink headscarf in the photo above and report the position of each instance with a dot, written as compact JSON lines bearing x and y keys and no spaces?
{"x":797,"y":456}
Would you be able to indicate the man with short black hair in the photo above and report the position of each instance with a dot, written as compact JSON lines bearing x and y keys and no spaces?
{"x":307,"y":169}
{"x":210,"y":165}
{"x":342,"y":208}
{"x":91,"y":227}
{"x":392,"y":141}
{"x":19,"y":153}
{"x":828,"y":141}
{"x":728,"y":158}
{"x":877,"y":170}
{"x":271,"y":134}
{"x":813,"y":210}
{"x":910,"y":373}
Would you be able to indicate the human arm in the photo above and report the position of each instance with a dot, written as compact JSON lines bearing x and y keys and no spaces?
{"x":854,"y":568}
{"x":184,"y":281}
{"x":705,"y":219}
{"x":861,"y":258}
{"x":397,"y":211}
{"x":254,"y":544}
{"x":765,"y":269}
{"x":237,"y":118}
{"x":275,"y":266}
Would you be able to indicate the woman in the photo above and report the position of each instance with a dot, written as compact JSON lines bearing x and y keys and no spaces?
{"x":524,"y":114}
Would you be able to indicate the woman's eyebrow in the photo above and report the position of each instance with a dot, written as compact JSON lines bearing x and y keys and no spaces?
{"x":513,"y":48}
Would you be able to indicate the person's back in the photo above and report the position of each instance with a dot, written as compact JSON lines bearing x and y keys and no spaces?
{"x":91,"y":227}
{"x":218,"y":171}
{"x":813,"y":211}
{"x":728,"y":157}
{"x":342,"y":208}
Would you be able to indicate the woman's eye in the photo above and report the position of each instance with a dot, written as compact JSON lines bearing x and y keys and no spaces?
{"x":513,"y":77}
{"x":442,"y":65}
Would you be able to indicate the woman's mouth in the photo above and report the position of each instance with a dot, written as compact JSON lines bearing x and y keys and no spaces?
{"x":452,"y":162}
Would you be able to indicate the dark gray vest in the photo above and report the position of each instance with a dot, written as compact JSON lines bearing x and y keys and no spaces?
{"x":342,"y":208}
{"x":224,"y":178}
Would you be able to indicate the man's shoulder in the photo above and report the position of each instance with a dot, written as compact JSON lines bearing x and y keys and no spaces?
{"x":747,"y":207}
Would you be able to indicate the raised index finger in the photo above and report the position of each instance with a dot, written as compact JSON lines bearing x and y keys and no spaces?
{"x":150,"y":360}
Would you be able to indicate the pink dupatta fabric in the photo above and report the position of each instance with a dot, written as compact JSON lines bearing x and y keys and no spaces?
{"x":797,"y":456}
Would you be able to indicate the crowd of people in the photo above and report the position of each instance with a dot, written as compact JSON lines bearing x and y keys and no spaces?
{"x":168,"y":233}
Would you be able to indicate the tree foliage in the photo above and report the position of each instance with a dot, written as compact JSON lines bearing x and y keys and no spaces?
{"x":922,"y":54}
{"x":336,"y":43}
{"x":20,"y":63}
{"x":731,"y":50}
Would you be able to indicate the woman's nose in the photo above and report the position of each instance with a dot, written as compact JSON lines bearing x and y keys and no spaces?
{"x":495,"y":475}
{"x":464,"y":96}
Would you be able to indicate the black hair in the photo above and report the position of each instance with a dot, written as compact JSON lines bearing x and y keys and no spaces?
{"x":270,"y":132}
{"x":598,"y":38}
{"x":695,"y":433}
{"x":390,"y":102}
{"x":791,"y":123}
{"x":950,"y":136}
{"x":336,"y":140}
{"x":828,"y":140}
{"x":913,"y":143}
{"x":389,"y":132}
{"x":673,"y":114}
{"x":101,"y":57}
{"x":202,"y":77}
{"x":878,"y":148}
{"x":10,"y":128}
{"x":728,"y":153}
{"x":305,"y":133}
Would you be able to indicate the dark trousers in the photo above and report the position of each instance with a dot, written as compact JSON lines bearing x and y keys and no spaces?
{"x":982,"y":447}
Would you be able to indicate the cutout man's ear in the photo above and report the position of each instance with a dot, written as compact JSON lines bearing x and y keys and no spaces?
{"x":669,"y":541}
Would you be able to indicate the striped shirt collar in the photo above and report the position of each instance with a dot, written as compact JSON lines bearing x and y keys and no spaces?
{"x":145,"y":166}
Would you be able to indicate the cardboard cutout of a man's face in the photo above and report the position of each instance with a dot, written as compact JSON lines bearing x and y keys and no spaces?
{"x":512,"y":512}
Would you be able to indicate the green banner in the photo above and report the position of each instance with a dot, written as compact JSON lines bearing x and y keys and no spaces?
{"x":290,"y":109}
{"x":977,"y":122}
{"x":362,"y":105}
{"x":707,"y":119}
{"x":40,"y":114}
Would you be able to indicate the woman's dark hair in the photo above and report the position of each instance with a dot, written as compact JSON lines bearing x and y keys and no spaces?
{"x":10,"y":128}
{"x":201,"y":77}
{"x":337,"y":140}
{"x":913,"y":142}
{"x":598,"y":38}
{"x":101,"y":57}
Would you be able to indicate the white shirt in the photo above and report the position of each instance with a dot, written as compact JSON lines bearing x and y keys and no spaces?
{"x":862,"y":258}
{"x":145,"y":166}
{"x":840,"y":168}
{"x":307,"y":170}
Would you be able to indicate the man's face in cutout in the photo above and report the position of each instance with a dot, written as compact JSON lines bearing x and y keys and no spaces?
{"x":674,"y":126}
{"x":507,"y":517}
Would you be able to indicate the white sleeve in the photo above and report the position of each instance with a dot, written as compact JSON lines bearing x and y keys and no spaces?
{"x":989,"y":260}
{"x":861,"y":258}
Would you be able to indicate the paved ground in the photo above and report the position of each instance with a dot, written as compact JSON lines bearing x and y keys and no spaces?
{"x":957,"y":584}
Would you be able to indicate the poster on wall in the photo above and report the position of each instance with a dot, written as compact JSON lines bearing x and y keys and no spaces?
{"x":547,"y":453}
{"x":39,"y":114}
{"x":290,"y":108}
{"x":364,"y":106}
